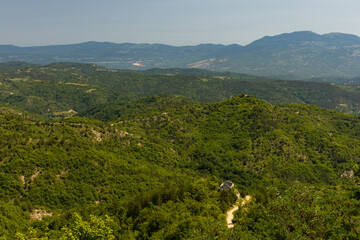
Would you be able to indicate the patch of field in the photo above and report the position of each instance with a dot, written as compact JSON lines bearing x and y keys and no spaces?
{"x":91,"y":90}
{"x":17,"y":79}
{"x":137,"y":64}
{"x":77,"y":84}
{"x":65,"y":114}
{"x":203,"y":63}
{"x":34,"y":99}
{"x":6,"y":110}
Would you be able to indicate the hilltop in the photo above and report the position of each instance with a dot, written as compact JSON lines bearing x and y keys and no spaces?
{"x":154,"y":174}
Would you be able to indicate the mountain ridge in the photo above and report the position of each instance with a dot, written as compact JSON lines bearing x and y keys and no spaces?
{"x":296,"y":55}
{"x":302,"y":34}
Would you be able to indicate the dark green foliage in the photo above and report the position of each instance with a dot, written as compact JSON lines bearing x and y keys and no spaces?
{"x":301,"y":212}
{"x":61,"y":90}
{"x":155,"y":170}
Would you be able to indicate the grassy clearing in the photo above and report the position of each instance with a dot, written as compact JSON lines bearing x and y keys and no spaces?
{"x":17,"y":79}
{"x":91,"y":90}
{"x":65,"y":114}
{"x":77,"y":84}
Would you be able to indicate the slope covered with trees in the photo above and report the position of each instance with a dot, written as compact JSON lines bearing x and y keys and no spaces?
{"x":63,"y":89}
{"x":154,"y":172}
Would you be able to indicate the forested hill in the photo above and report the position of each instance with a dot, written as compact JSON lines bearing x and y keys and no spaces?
{"x":296,"y":55}
{"x":63,"y":89}
{"x":154,"y":173}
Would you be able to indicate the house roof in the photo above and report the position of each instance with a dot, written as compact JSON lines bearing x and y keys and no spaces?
{"x":226,"y":185}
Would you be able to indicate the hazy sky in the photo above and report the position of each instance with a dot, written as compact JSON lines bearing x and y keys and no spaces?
{"x":174,"y":22}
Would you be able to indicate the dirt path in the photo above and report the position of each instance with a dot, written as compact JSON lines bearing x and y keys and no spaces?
{"x":230,"y":213}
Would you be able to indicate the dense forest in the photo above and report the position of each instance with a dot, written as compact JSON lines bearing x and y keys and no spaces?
{"x":128,"y":163}
{"x":154,"y":173}
{"x":63,"y":89}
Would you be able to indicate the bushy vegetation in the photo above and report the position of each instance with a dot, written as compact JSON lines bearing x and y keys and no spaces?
{"x":153,"y":171}
{"x":301,"y":212}
{"x":61,"y":90}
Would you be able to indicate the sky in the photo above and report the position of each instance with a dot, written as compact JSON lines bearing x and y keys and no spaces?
{"x":173,"y":22}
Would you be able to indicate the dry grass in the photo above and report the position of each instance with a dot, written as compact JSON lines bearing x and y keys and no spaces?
{"x":91,"y":90}
{"x":77,"y":84}
{"x":38,"y":214}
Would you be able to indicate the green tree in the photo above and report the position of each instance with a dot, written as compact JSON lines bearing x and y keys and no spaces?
{"x":96,"y":228}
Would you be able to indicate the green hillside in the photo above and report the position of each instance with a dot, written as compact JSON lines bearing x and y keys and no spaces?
{"x":63,"y":89}
{"x":154,"y":172}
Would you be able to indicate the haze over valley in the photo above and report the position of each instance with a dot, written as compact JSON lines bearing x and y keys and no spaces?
{"x":296,"y":55}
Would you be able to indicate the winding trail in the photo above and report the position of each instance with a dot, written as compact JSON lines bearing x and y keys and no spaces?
{"x":230,"y":213}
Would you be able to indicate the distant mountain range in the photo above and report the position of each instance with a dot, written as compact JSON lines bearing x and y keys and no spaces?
{"x":297,"y":55}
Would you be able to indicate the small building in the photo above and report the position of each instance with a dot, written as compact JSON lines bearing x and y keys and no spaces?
{"x":227,"y":185}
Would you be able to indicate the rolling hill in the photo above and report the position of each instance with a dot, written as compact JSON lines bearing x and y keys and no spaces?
{"x":64,"y":89}
{"x":154,"y":174}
